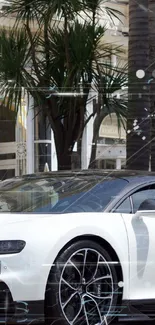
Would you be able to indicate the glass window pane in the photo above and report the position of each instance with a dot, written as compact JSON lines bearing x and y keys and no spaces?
{"x":60,"y":195}
{"x":141,"y":196}
{"x":125,"y":207}
{"x":42,"y":129}
{"x":42,"y":155}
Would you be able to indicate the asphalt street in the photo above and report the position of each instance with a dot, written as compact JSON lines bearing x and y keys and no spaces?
{"x":134,"y":323}
{"x":128,"y":323}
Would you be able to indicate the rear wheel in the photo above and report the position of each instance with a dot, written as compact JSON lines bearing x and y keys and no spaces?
{"x":82,"y":287}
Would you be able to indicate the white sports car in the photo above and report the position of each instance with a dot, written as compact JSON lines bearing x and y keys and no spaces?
{"x":77,"y":248}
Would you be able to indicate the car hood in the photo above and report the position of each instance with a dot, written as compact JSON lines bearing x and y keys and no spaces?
{"x":7,"y":218}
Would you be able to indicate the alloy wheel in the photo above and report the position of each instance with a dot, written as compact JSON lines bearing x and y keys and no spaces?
{"x":86,"y":288}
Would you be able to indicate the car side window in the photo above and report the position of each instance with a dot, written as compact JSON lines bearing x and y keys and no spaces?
{"x":142,"y":195}
{"x":124,"y":207}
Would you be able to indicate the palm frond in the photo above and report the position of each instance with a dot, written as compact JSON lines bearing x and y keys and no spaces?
{"x":25,"y":10}
{"x":37,"y":10}
{"x":109,"y":81}
{"x":113,"y":13}
{"x":15,"y":57}
{"x":83,"y":41}
{"x":97,"y":6}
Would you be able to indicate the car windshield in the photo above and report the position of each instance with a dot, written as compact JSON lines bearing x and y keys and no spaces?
{"x":59,"y":195}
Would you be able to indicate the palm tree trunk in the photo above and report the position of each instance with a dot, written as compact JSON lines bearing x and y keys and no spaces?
{"x":152,"y":82}
{"x":139,"y":103}
{"x":64,"y":154}
{"x":96,"y":127}
{"x":64,"y":161}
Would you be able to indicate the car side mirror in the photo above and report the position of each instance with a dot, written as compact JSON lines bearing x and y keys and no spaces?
{"x":146,"y":209}
{"x":147,"y":214}
{"x":146,"y":205}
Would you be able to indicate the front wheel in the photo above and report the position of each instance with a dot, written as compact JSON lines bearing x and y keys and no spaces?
{"x":82,"y":286}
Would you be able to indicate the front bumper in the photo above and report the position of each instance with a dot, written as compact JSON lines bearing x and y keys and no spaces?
{"x":19,"y":312}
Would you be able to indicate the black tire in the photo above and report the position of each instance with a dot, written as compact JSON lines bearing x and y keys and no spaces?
{"x":55,"y":310}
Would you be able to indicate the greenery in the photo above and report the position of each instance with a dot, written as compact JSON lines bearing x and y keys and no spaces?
{"x":111,"y":82}
{"x":58,"y":63}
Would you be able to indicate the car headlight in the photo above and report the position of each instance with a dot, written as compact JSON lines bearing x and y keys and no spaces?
{"x":11,"y":246}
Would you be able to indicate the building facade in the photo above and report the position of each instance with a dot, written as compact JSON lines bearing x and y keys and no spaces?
{"x":26,"y":140}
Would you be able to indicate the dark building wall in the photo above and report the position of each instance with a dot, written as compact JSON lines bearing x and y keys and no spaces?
{"x":7,"y":124}
{"x":7,"y":134}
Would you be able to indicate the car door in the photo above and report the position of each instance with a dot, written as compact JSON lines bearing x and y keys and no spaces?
{"x":141,"y":238}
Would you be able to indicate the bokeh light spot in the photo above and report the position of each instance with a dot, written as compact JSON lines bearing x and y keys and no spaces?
{"x":153,"y":73}
{"x":140,"y":74}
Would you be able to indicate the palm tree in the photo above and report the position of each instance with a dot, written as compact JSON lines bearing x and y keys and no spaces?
{"x":138,"y":136}
{"x":61,"y":60}
{"x":109,"y":83}
{"x":152,"y":77}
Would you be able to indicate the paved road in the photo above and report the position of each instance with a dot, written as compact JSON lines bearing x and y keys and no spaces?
{"x":134,"y":323}
{"x":130,"y":323}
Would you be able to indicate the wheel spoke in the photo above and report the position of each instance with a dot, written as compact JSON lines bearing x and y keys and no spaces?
{"x":99,"y":297}
{"x":69,"y":285}
{"x":96,"y":305}
{"x":85,"y":313}
{"x":84,"y":263}
{"x":96,"y":269}
{"x":97,"y":264}
{"x":77,"y":314}
{"x":99,"y":279}
{"x":74,"y":265}
{"x":69,"y":299}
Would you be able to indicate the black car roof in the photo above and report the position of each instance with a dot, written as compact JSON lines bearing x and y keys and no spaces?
{"x":140,"y":179}
{"x":129,"y":175}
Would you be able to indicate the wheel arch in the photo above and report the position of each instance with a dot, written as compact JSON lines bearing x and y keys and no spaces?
{"x":106,"y":245}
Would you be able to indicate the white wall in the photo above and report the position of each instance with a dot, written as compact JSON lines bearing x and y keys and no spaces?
{"x":88,"y":133}
{"x":54,"y":162}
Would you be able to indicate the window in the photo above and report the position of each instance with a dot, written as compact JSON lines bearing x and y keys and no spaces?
{"x":137,"y":198}
{"x":125,"y":207}
{"x":42,"y":142}
{"x":60,"y":194}
{"x":42,"y":153}
{"x":142,"y":195}
{"x":42,"y":129}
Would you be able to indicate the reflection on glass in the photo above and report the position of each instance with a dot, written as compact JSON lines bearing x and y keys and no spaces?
{"x":60,"y":194}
